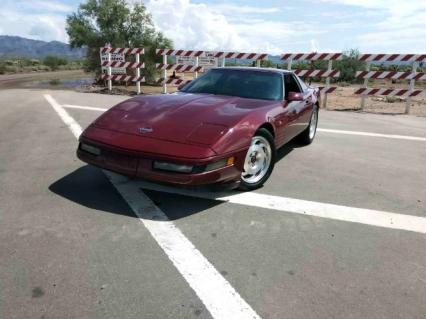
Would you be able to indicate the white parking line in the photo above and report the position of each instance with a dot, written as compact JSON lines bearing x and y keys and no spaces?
{"x":88,"y":108}
{"x":325,"y":130}
{"x":398,"y":137}
{"x":303,"y":207}
{"x":216,"y":293}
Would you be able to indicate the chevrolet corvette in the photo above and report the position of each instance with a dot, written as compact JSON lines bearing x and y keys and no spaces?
{"x":222,"y":128}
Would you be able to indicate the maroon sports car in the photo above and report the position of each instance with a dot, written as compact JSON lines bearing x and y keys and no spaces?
{"x":222,"y":128}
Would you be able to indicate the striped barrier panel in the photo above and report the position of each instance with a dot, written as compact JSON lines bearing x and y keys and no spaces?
{"x":123,"y":77}
{"x":392,"y":57}
{"x":123,"y":50}
{"x":179,"y":67}
{"x":391,"y":75}
{"x":173,"y":81}
{"x":188,"y":53}
{"x":118,"y":64}
{"x":317,"y":73}
{"x":311,"y":56}
{"x":216,"y":54}
{"x":116,"y":59}
{"x":315,"y":56}
{"x":239,"y":55}
{"x":387,"y":92}
{"x":327,"y":90}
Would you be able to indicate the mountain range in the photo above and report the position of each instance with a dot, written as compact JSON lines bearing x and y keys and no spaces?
{"x":14,"y":46}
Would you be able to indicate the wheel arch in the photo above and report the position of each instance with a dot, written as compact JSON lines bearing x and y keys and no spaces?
{"x":268,"y":126}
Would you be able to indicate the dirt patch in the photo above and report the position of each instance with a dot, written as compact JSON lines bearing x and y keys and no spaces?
{"x":343,"y":99}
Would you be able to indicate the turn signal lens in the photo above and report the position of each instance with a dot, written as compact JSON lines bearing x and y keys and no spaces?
{"x":219,"y":164}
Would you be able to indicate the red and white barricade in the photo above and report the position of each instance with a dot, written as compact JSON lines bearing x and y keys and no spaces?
{"x":239,"y":55}
{"x":315,"y":56}
{"x":391,"y":75}
{"x":196,"y":54}
{"x":173,"y":52}
{"x":173,"y":81}
{"x":123,"y":50}
{"x":317,"y":73}
{"x":330,"y":89}
{"x":216,"y":54}
{"x":387,"y":92}
{"x":392,"y":57}
{"x":412,"y":76}
{"x":123,"y":78}
{"x":183,"y":68}
{"x":311,"y":56}
{"x":122,"y":65}
{"x":130,"y":65}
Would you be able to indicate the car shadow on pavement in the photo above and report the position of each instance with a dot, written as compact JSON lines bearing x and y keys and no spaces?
{"x":88,"y":186}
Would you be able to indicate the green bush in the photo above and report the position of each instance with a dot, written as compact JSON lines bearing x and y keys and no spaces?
{"x":349,"y":65}
{"x":53,"y":62}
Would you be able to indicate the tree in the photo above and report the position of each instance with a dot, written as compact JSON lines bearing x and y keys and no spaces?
{"x":115,"y":21}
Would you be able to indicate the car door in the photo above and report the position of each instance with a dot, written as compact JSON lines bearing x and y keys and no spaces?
{"x":305,"y":111}
{"x":294,"y":109}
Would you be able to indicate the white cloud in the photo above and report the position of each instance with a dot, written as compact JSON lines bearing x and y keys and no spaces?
{"x":402,"y":25}
{"x":49,"y":5}
{"x":193,"y":26}
{"x":225,"y":27}
{"x":45,"y":27}
{"x":225,"y":8}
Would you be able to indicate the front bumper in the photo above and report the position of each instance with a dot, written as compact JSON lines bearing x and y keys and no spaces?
{"x":139,"y":164}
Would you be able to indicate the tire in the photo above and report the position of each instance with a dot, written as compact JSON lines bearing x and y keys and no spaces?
{"x":308,"y":135}
{"x":259,"y":161}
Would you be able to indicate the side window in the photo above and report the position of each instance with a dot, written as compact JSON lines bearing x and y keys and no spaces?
{"x":302,"y":84}
{"x":291,"y":84}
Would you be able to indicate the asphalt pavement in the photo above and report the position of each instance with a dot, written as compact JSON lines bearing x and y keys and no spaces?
{"x":338,"y":231}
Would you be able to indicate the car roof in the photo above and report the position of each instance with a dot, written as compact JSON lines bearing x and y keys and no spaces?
{"x":251,"y":68}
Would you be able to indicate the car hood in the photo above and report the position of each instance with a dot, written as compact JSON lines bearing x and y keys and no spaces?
{"x":179,"y":117}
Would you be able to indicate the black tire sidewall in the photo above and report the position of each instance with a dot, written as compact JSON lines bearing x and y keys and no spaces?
{"x":304,"y":137}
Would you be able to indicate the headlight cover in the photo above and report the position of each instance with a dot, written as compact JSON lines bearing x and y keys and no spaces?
{"x":172,"y":167}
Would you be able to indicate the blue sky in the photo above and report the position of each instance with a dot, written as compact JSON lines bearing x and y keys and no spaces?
{"x":270,"y":26}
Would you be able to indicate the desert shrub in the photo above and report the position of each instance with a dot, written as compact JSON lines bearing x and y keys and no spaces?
{"x":390,"y":99}
{"x":54,"y":62}
{"x":349,"y":65}
{"x":55,"y":82}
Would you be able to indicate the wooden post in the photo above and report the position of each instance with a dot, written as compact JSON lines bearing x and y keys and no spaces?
{"x":258,"y":63}
{"x":109,"y":73}
{"x":364,"y":96}
{"x":165,"y":75}
{"x":327,"y":84}
{"x":223,"y":62}
{"x":289,"y":63}
{"x":138,"y":74}
{"x":196,"y":65}
{"x":411,"y":88}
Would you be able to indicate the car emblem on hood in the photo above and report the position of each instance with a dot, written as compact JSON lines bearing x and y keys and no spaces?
{"x":144,"y":130}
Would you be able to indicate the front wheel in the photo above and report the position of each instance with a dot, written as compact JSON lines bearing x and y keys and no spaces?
{"x":308,"y":135}
{"x":259,"y":161}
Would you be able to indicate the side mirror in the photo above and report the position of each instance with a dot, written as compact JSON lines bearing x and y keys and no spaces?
{"x":294,"y":96}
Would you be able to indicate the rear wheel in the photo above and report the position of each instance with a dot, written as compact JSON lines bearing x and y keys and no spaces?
{"x":259,"y":161}
{"x":308,"y":135}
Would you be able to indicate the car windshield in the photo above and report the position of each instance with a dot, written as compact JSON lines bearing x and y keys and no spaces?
{"x":242,"y":83}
